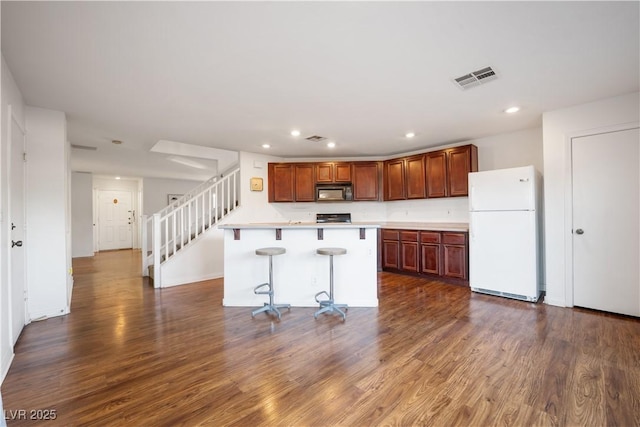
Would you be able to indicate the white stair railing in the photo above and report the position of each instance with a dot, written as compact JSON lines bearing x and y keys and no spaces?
{"x":183,"y":221}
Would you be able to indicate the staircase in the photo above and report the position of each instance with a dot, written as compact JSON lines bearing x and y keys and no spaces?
{"x":180,"y":224}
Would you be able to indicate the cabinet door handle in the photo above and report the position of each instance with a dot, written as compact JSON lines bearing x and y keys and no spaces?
{"x":579,"y":231}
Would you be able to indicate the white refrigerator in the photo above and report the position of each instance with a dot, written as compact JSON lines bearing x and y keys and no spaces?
{"x":503,"y":233}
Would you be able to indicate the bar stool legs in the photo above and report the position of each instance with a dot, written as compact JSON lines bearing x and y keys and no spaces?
{"x":329,"y":305}
{"x":267,"y":288}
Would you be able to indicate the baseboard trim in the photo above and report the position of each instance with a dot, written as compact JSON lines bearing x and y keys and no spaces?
{"x":189,"y":279}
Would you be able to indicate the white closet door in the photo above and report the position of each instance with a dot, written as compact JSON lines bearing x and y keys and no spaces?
{"x":606,"y":219}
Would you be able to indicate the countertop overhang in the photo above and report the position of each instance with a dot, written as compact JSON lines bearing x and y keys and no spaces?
{"x":431,"y":226}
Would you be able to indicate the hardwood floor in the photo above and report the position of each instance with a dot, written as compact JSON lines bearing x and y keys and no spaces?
{"x":430,"y":354}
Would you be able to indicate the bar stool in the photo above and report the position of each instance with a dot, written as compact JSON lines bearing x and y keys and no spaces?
{"x":267,"y":288}
{"x":329,"y":305}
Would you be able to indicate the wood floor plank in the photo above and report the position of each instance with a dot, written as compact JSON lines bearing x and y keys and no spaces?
{"x":431,"y":354}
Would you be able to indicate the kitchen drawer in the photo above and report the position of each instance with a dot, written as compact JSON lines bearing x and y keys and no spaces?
{"x":429,"y":237}
{"x":454,"y":238}
{"x":390,"y":235}
{"x":409,"y":236}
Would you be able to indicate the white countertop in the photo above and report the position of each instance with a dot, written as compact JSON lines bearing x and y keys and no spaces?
{"x":300,"y":225}
{"x":432,"y":226}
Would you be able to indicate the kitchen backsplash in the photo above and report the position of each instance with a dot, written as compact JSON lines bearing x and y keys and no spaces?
{"x":431,"y":210}
{"x":451,"y":209}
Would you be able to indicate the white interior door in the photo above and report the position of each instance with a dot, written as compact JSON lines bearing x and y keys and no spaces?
{"x":16,"y":252}
{"x":114,"y":220}
{"x":606,"y":217}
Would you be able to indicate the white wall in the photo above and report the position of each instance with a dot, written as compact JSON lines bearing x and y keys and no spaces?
{"x":109,"y":183}
{"x":558,"y":128}
{"x":155,"y":195}
{"x":156,"y":191}
{"x":46,"y":213}
{"x":200,"y":260}
{"x":81,"y":214}
{"x":10,"y":96}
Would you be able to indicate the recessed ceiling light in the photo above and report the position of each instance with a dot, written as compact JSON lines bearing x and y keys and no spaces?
{"x":116,"y":141}
{"x":512,"y":110}
{"x":295,"y":132}
{"x":410,"y":134}
{"x":117,"y":177}
{"x":266,"y":146}
{"x":331,"y":144}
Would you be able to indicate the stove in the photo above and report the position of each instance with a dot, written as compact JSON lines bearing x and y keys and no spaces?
{"x":333,"y":218}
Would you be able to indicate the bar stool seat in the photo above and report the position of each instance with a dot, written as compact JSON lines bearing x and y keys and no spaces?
{"x":331,"y":251}
{"x":329,"y":305}
{"x":267,"y":288}
{"x":270,"y":251}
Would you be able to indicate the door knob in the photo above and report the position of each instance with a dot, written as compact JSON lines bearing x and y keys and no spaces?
{"x":579,"y":231}
{"x":18,"y":243}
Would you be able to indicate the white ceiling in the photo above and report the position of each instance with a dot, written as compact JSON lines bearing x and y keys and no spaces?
{"x":235,"y":75}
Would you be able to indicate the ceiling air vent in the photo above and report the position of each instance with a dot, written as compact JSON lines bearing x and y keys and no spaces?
{"x":315,"y":138}
{"x":476,"y":78}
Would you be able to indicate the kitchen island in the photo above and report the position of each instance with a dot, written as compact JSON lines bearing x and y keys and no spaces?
{"x":300,"y":273}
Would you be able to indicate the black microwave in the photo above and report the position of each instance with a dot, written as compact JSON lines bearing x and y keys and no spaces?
{"x":334,"y":192}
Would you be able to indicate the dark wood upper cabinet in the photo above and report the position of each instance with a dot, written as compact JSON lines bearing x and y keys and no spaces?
{"x":416,"y":178}
{"x":394,"y":180}
{"x":304,"y":183}
{"x":442,"y":173}
{"x":366,"y":177}
{"x":281,"y":182}
{"x":331,"y":172}
{"x":448,"y":170}
{"x":436,"y":175}
{"x":291,"y":182}
{"x":324,"y":172}
{"x":342,"y":172}
{"x":461,"y":161}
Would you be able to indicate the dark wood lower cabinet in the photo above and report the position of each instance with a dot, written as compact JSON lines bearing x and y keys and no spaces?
{"x":390,"y":254}
{"x":409,"y":252}
{"x":390,"y":249}
{"x":430,"y":253}
{"x":430,"y":258}
{"x":454,"y":253}
{"x":454,"y":264}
